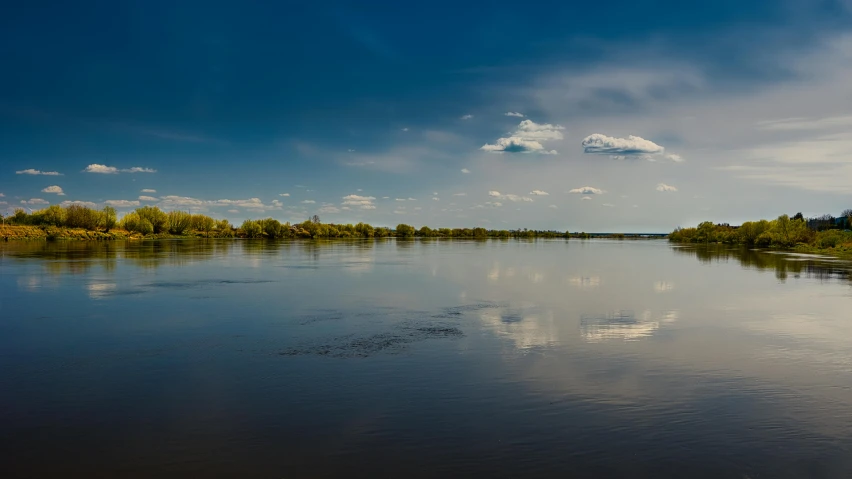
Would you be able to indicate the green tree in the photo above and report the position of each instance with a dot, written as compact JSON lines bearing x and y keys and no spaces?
{"x":252,"y":229}
{"x":54,"y":215}
{"x":155,"y":216}
{"x":404,"y":230}
{"x":178,"y":222}
{"x":107,"y":218}
{"x":79,"y":216}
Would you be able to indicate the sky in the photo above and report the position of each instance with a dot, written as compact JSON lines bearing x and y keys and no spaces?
{"x":609,"y":116}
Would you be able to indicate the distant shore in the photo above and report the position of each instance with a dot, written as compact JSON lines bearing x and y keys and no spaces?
{"x":45,"y":233}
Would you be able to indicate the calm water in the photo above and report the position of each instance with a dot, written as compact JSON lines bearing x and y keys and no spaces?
{"x":422,"y":359}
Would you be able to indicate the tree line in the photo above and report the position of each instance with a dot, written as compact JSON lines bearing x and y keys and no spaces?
{"x":151,"y":220}
{"x":782,"y":232}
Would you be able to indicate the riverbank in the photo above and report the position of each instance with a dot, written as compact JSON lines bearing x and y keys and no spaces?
{"x":38,"y":233}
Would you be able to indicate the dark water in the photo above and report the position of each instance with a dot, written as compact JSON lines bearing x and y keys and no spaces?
{"x":422,"y":359}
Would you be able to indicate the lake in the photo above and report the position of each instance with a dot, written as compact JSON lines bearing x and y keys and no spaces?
{"x":547,"y":358}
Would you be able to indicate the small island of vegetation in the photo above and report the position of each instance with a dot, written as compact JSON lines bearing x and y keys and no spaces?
{"x":825,"y":234}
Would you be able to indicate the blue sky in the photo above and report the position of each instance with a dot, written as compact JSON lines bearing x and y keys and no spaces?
{"x":599,"y":116}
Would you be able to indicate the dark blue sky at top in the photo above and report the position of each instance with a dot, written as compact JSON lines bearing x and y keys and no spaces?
{"x":177,"y":85}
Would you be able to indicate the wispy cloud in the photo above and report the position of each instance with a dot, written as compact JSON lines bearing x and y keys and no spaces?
{"x":54,"y":189}
{"x":148,"y":198}
{"x":539,"y":193}
{"x":586,"y":190}
{"x":466,"y":117}
{"x":597,"y":143}
{"x":307,"y":202}
{"x":514,"y":113}
{"x":284,"y":194}
{"x":666,"y":188}
{"x":35,"y":201}
{"x":87,"y":204}
{"x":465,"y":171}
{"x":148,"y":190}
{"x":361,"y":202}
{"x":111,"y":170}
{"x":31,"y":171}
{"x":510,"y":197}
{"x":527,"y":138}
{"x":122,"y":203}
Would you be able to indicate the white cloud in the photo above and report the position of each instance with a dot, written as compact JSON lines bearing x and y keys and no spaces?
{"x":173,"y":201}
{"x":412,"y":199}
{"x":405,"y":129}
{"x":539,"y":193}
{"x":586,"y":190}
{"x":510,"y":197}
{"x":465,"y":170}
{"x":586,"y":198}
{"x":675,"y":158}
{"x":328,"y":209}
{"x":608,"y":205}
{"x":35,"y":201}
{"x":2,"y":195}
{"x":436,"y":198}
{"x":111,"y":170}
{"x":87,"y":204}
{"x":284,"y":194}
{"x":277,"y":203}
{"x":31,"y":171}
{"x":552,"y":206}
{"x":466,"y":117}
{"x":514,"y":113}
{"x":307,"y":202}
{"x":362,"y":202}
{"x":54,"y":189}
{"x":122,"y":203}
{"x":148,"y":198}
{"x":527,"y":138}
{"x":459,"y":194}
{"x":148,"y":190}
{"x":630,"y":146}
{"x":233,"y":211}
{"x":103,"y":169}
{"x":400,"y":199}
{"x":665,"y":188}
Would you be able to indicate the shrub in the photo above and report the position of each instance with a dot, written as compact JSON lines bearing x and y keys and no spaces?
{"x":178,"y":222}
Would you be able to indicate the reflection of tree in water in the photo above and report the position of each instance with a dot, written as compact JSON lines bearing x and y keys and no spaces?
{"x":783,"y":264}
{"x":77,"y":257}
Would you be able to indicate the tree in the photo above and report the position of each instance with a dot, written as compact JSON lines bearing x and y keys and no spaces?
{"x":155,"y":216}
{"x":252,"y":229}
{"x":798,"y":216}
{"x":78,"y":216}
{"x":108,"y":218}
{"x":178,"y":222}
{"x":204,"y":223}
{"x":315,"y":219}
{"x":404,"y":230}
{"x":54,"y":215}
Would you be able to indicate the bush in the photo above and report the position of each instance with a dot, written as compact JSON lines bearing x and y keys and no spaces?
{"x":252,"y":229}
{"x":78,"y":216}
{"x":155,"y":216}
{"x":135,"y":223}
{"x":107,"y":218}
{"x":178,"y":222}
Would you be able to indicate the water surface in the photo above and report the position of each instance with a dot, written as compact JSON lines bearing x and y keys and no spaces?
{"x":423,"y":359}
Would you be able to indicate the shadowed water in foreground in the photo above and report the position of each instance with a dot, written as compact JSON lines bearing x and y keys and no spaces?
{"x":495,"y":358}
